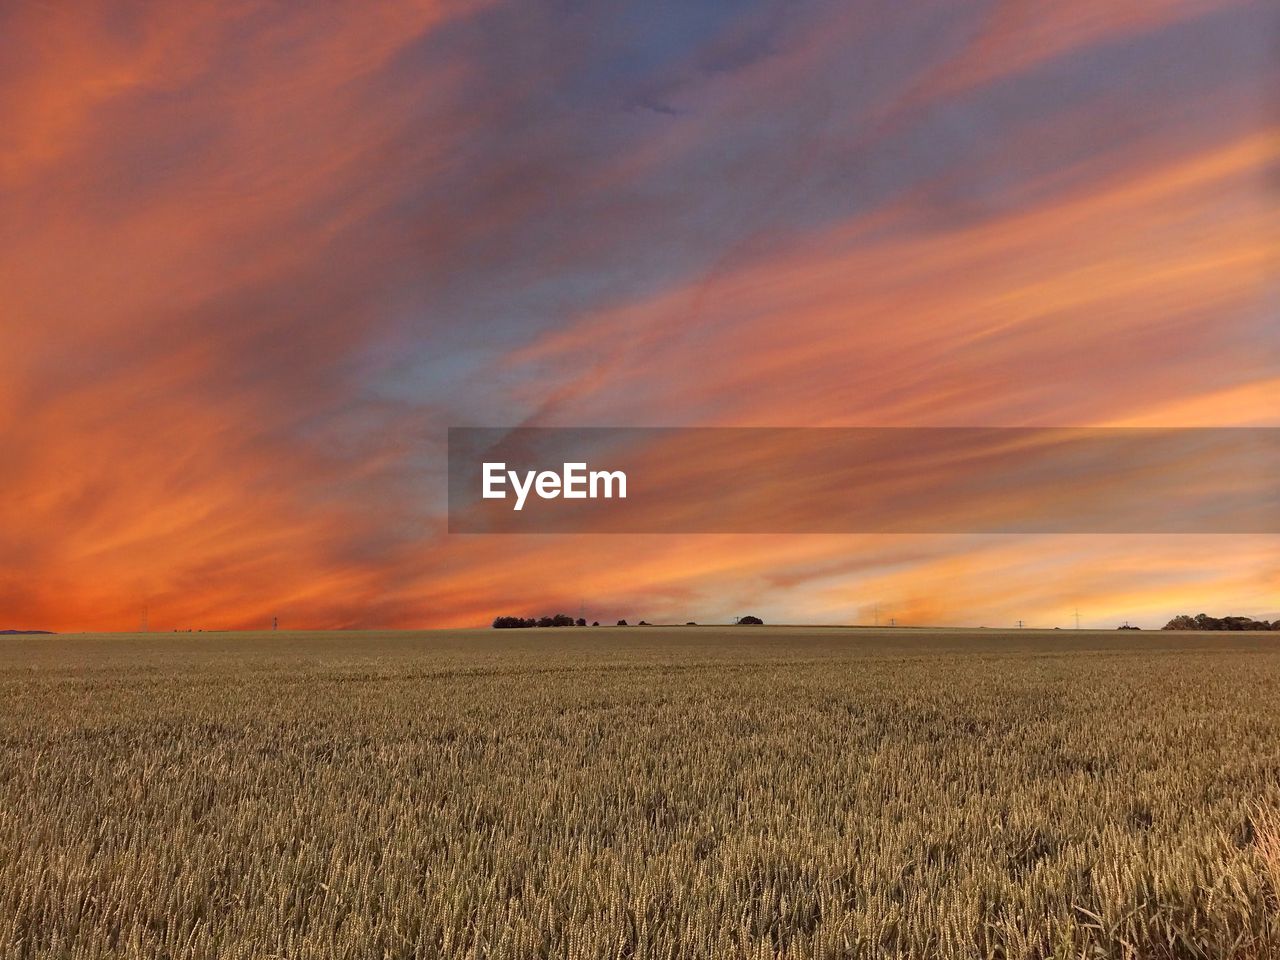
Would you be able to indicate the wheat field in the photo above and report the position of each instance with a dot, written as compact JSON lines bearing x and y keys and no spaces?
{"x":640,"y":793}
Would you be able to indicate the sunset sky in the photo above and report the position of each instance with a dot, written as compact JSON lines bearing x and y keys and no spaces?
{"x":257,"y":258}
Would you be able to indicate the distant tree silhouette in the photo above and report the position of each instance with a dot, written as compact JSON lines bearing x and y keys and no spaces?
{"x":751,"y":621}
{"x":512,"y":623}
{"x":690,"y":623}
{"x":1202,"y":621}
{"x":595,"y":623}
{"x":580,"y":622}
{"x":622,"y":623}
{"x":559,"y":620}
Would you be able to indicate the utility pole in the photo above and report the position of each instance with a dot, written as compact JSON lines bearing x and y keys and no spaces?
{"x":275,"y":623}
{"x":146,"y":626}
{"x":893,"y":621}
{"x":1019,"y":624}
{"x":1077,"y":618}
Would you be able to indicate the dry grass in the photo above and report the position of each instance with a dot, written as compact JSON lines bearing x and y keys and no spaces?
{"x":1265,"y":821}
{"x":640,"y":793}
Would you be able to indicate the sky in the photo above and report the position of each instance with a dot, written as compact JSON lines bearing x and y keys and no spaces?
{"x":257,"y":258}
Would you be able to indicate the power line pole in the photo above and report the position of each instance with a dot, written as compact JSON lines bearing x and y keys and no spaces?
{"x":1077,"y":618}
{"x":1019,"y":624}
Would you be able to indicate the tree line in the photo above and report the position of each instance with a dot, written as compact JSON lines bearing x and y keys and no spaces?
{"x":1203,"y":621}
{"x":559,"y":620}
{"x":564,"y":620}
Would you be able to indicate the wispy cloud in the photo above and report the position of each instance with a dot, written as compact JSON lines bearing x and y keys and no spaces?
{"x":256,"y":258}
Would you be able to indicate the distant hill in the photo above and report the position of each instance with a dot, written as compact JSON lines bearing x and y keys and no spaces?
{"x":10,"y":633}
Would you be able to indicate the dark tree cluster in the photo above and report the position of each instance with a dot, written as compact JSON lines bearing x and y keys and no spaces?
{"x":752,"y":621}
{"x":515,"y":623}
{"x":1202,"y":621}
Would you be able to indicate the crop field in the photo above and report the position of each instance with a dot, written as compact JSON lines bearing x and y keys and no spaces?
{"x":641,"y":793}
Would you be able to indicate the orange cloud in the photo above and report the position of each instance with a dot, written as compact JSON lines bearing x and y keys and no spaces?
{"x":255,"y":259}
